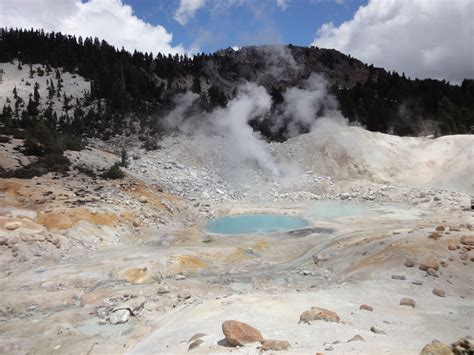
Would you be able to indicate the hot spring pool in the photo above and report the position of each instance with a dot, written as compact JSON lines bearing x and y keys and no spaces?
{"x":255,"y":223}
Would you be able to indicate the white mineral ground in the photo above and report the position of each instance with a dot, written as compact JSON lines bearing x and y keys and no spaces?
{"x":78,"y":254}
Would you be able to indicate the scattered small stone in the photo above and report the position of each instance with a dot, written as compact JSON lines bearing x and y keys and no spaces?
{"x":143,"y":199}
{"x":434,"y":236}
{"x":436,"y":348}
{"x":408,"y":302}
{"x":432,"y":272}
{"x":196,"y":336}
{"x":119,"y":316}
{"x":398,"y":277}
{"x":376,"y":331}
{"x":465,"y":345}
{"x":439,"y":292}
{"x":427,"y":264}
{"x":238,"y":333}
{"x":316,"y":313}
{"x":11,"y":226}
{"x":467,"y":240}
{"x":276,"y":345}
{"x":409,"y":263}
{"x":365,"y":307}
{"x":452,"y":246}
{"x":195,"y":344}
{"x":356,"y":338}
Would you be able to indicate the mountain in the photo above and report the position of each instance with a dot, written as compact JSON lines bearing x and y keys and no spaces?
{"x":127,"y":90}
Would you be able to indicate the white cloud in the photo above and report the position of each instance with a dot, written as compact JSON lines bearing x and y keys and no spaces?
{"x":423,"y":38}
{"x":187,"y":10}
{"x":282,"y":4}
{"x":111,"y":20}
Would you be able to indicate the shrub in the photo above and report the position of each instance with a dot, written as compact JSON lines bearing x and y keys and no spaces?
{"x":86,"y":171}
{"x":151,"y":144}
{"x":113,"y":172}
{"x":49,"y":163}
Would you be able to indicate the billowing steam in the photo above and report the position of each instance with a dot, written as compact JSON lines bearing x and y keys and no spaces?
{"x":298,"y":113}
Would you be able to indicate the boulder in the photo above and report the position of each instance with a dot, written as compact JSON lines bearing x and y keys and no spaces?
{"x":467,"y":240}
{"x":440,"y":229}
{"x":376,"y":330}
{"x":316,"y":313}
{"x":436,"y":348}
{"x":452,"y":246}
{"x":238,"y":333}
{"x":11,"y":226}
{"x":119,"y":316}
{"x":429,"y":264}
{"x":465,"y":345}
{"x":409,"y":263}
{"x":195,"y":344}
{"x":356,"y":338}
{"x":408,"y":302}
{"x":276,"y":345}
{"x":143,"y":199}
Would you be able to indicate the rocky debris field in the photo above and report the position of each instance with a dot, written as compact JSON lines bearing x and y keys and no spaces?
{"x":126,"y":266}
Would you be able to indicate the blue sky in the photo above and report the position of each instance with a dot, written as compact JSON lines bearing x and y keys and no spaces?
{"x":251,"y":22}
{"x":422,"y":38}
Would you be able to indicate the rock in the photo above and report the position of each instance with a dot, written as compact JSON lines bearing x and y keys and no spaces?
{"x":467,"y":240}
{"x":436,"y":348}
{"x":440,"y":229}
{"x":119,"y":316}
{"x":376,"y":331}
{"x":408,"y":302}
{"x":197,"y":336}
{"x":276,"y":345}
{"x":427,"y":264}
{"x":463,"y":256}
{"x":398,"y":277}
{"x":239,"y":334}
{"x":365,"y":307}
{"x":316,"y":313}
{"x":162,"y":290}
{"x":135,"y":223}
{"x":195,"y":344}
{"x":3,"y":241}
{"x":439,"y":292}
{"x":465,"y":345}
{"x":452,"y":246}
{"x":11,"y":226}
{"x":432,"y":272}
{"x":179,"y":277}
{"x":356,"y":338}
{"x":451,"y":258}
{"x":435,"y":236}
{"x":409,"y":263}
{"x":319,"y":258}
{"x":143,"y":199}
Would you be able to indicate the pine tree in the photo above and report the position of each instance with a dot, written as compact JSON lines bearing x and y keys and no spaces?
{"x":36,"y":94}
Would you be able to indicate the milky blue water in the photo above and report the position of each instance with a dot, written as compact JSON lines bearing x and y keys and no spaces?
{"x":255,"y":223}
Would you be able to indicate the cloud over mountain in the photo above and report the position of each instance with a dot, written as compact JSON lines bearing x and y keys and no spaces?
{"x":421,"y":38}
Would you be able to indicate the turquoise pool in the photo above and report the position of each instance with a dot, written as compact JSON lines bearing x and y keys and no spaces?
{"x":255,"y":223}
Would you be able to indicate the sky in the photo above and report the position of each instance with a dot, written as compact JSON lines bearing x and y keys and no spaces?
{"x":422,"y":38}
